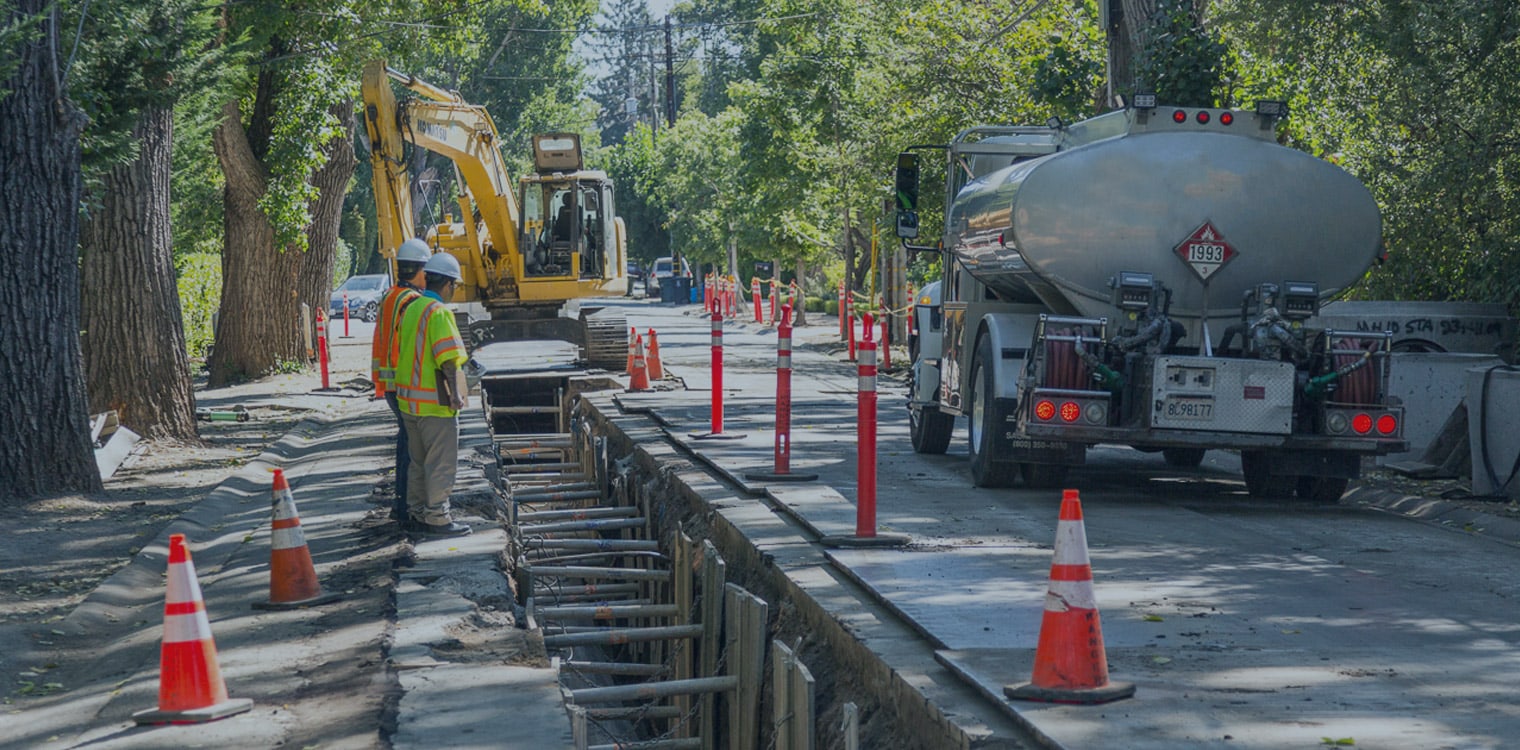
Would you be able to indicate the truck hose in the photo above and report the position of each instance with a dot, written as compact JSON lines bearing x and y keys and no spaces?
{"x":1319,"y":385}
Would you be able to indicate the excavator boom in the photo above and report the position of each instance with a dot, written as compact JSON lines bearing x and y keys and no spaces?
{"x":488,"y":239}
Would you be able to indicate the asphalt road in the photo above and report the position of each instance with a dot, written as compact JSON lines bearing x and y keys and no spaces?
{"x":1244,"y":623}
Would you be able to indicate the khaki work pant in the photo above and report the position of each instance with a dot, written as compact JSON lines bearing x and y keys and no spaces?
{"x":433,"y":443}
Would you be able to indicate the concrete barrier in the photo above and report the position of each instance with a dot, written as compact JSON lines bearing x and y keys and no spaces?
{"x":1431,"y":386}
{"x":1491,"y":428}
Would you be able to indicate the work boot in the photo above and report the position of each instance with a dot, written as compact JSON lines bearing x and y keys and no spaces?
{"x":452,"y":528}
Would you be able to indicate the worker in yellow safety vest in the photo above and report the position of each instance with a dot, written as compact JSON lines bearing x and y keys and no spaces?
{"x":410,"y":258}
{"x":430,"y":391}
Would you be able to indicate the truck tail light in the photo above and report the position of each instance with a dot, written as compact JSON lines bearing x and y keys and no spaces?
{"x":1045,"y":410}
{"x":1362,"y":423}
{"x":1070,"y":412}
{"x":1203,"y":118}
{"x":1179,"y":117}
{"x":1226,"y":118}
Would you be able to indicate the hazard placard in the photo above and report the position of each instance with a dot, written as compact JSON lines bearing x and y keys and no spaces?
{"x":1205,"y":251}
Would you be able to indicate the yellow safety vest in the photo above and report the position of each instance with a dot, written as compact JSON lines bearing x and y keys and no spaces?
{"x":427,"y":338}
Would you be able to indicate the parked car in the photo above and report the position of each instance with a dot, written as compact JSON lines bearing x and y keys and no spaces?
{"x":364,"y":294}
{"x":661,"y":270}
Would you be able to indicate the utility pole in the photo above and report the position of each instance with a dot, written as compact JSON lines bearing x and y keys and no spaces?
{"x":670,"y":78}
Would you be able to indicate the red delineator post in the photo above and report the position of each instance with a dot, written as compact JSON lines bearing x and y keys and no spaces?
{"x":717,"y":373}
{"x":707,"y":294}
{"x":865,"y":454}
{"x":754,"y":293}
{"x":322,"y":348}
{"x":775,"y":297}
{"x":843,"y":314}
{"x":782,"y":469}
{"x":849,"y":323}
{"x":717,"y":432}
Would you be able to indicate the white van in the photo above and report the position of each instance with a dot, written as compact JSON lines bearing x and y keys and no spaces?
{"x":661,"y":270}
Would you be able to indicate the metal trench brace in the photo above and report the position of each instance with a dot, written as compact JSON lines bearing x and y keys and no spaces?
{"x":645,"y":639}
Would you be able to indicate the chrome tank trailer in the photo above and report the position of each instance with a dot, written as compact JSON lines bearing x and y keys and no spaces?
{"x":1132,"y":191}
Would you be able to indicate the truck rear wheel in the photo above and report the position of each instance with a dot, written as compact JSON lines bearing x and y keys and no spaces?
{"x":1187,"y":458}
{"x":1324,"y":490}
{"x":930,"y":429}
{"x":985,"y":423}
{"x":1254,"y":465}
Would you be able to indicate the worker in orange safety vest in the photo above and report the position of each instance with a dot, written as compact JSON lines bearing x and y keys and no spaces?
{"x":430,"y":390}
{"x":410,"y":259}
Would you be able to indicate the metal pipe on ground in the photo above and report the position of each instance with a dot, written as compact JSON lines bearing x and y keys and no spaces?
{"x":619,"y":636}
{"x":654,"y":690}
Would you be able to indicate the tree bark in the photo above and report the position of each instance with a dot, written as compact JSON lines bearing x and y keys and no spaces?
{"x":134,"y":338}
{"x":256,"y":324}
{"x":799,"y":313}
{"x":46,"y":445}
{"x":259,"y":326}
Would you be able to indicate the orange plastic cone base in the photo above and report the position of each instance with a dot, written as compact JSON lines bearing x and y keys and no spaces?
{"x":632,"y":334}
{"x":292,"y":576}
{"x":190,"y":685}
{"x":189,"y":676}
{"x":656,"y":371}
{"x":1070,"y":665}
{"x":638,"y":377}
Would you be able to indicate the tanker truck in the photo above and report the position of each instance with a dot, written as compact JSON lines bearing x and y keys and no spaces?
{"x":1147,"y":278}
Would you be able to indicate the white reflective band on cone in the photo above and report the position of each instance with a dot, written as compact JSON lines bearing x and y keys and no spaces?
{"x":868,"y":383}
{"x":1071,"y":544}
{"x":284,"y":506}
{"x":187,"y":628}
{"x":784,"y":361}
{"x":291,"y":538}
{"x":1063,"y":596}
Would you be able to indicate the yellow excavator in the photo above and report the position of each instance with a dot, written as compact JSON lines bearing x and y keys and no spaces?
{"x":525,"y":250}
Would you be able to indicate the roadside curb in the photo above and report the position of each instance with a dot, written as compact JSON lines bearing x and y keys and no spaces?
{"x":1438,"y":512}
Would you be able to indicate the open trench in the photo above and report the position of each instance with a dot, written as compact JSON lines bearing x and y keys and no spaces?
{"x":670,"y":625}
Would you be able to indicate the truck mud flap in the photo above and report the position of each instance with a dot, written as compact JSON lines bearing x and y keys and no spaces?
{"x":1024,"y":449}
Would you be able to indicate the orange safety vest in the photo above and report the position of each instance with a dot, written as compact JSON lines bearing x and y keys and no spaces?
{"x":383,"y":349}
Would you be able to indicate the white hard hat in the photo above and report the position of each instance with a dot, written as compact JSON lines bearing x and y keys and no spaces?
{"x":443,"y":264}
{"x":413,"y":251}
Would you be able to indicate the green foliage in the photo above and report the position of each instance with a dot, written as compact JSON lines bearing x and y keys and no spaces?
{"x":14,"y":33}
{"x":307,"y":89}
{"x":1417,"y":98}
{"x":200,"y":294}
{"x":1182,"y":62}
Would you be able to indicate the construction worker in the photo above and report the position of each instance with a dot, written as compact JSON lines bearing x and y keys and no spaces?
{"x":430,"y":391}
{"x":410,"y":258}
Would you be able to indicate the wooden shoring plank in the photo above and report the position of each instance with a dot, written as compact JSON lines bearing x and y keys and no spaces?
{"x":791,"y":699}
{"x":714,"y":573}
{"x":681,"y":572}
{"x":744,"y":616}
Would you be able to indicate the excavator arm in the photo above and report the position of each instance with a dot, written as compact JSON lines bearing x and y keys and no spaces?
{"x":443,"y":123}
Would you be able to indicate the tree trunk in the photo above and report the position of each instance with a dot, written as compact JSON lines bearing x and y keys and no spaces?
{"x":315,"y":283}
{"x":259,"y":327}
{"x":799,"y":313}
{"x":134,"y":338}
{"x":46,"y":445}
{"x":258,"y":322}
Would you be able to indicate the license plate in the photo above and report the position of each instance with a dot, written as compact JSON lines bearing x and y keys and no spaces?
{"x":1199,"y":409}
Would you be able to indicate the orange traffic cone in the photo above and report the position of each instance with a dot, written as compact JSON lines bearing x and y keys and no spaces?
{"x":292,"y":578}
{"x":190,"y":686}
{"x":1069,"y":663}
{"x":656,"y":370}
{"x":633,"y":333}
{"x":638,"y":376}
